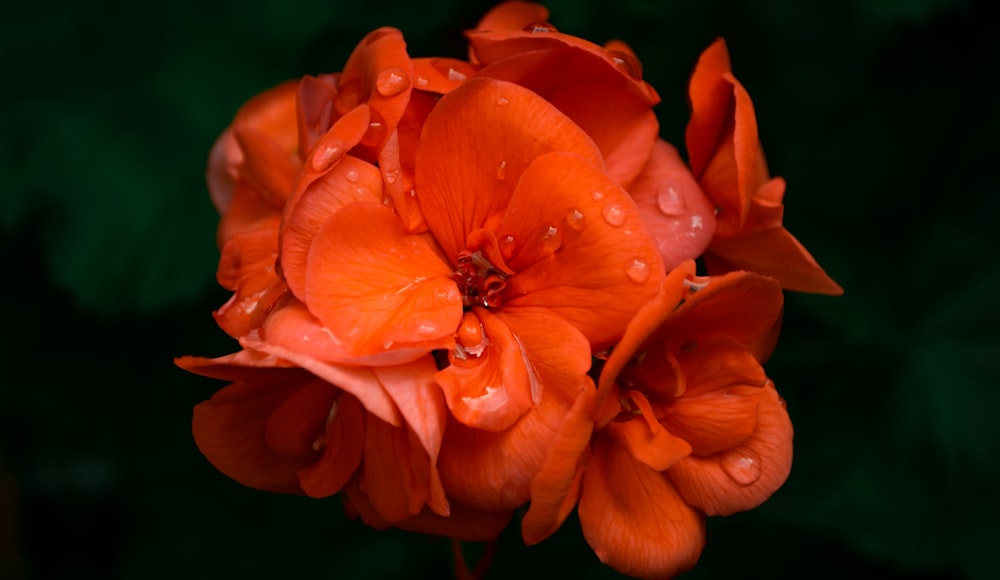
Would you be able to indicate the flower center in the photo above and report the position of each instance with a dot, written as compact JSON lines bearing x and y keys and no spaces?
{"x":479,"y":281}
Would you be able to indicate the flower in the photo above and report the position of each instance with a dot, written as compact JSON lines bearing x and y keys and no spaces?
{"x":433,"y":261}
{"x":728,"y":161}
{"x":688,"y":424}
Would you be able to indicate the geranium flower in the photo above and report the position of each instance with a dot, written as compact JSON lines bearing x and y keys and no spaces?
{"x":688,"y":423}
{"x":726,"y":157}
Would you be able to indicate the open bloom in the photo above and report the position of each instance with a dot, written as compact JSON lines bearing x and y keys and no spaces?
{"x":688,"y":424}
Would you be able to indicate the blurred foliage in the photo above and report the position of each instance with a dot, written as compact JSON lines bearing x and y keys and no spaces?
{"x":877,"y":113}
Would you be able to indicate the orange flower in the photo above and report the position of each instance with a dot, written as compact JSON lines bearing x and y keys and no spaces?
{"x":533,"y":257}
{"x":688,"y":423}
{"x":728,"y":161}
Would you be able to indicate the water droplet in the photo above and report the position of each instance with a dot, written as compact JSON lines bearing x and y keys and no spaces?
{"x":742,"y":466}
{"x":390,"y":175}
{"x":413,"y":193}
{"x":427,"y":328}
{"x":597,"y":196}
{"x":386,"y":200}
{"x":627,"y":63}
{"x":614,"y":214}
{"x":421,"y":81}
{"x":671,"y":202}
{"x":638,"y":270}
{"x":503,"y":101}
{"x":575,"y":219}
{"x":392,"y":81}
{"x":328,"y":154}
{"x":376,"y":130}
{"x":352,"y":175}
{"x":502,"y":170}
{"x":507,"y":247}
{"x":454,"y":75}
{"x":549,"y":233}
{"x":696,"y":222}
{"x":387,"y":344}
{"x":539,"y":27}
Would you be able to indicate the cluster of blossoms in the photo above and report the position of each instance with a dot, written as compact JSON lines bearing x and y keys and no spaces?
{"x":467,"y":288}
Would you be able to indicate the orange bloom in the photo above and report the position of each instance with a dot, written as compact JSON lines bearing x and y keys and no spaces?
{"x":728,"y":161}
{"x":688,"y":423}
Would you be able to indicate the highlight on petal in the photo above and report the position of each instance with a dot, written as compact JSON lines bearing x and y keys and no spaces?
{"x":673,"y":206}
{"x":476,"y":144}
{"x":741,"y":478}
{"x":580,"y":247}
{"x":633,"y":517}
{"x":376,"y":287}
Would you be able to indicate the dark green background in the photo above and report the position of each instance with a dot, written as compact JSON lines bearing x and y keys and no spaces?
{"x":881,"y":115}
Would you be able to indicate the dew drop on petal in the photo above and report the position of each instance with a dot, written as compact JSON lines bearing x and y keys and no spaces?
{"x":539,"y":27}
{"x":328,"y":154}
{"x":421,"y":81}
{"x":352,"y":175}
{"x":597,"y":196}
{"x":627,"y":63}
{"x":502,"y":170}
{"x":390,"y":175}
{"x":614,"y":214}
{"x":392,"y":81}
{"x":575,"y":219}
{"x":503,"y":101}
{"x":638,"y":270}
{"x":427,"y":328}
{"x":455,"y":75}
{"x":671,"y":203}
{"x":551,"y":237}
{"x":742,"y":466}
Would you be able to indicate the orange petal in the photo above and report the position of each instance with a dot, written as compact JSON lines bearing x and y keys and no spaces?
{"x":290,"y":326}
{"x":556,"y":487}
{"x":233,"y":367}
{"x":441,"y":75}
{"x":359,"y":381}
{"x":376,"y":287}
{"x":377,"y":72}
{"x":247,"y":267}
{"x":342,"y":450}
{"x":342,"y":137}
{"x":772,"y":252}
{"x":494,"y":471}
{"x":673,"y":206}
{"x":580,"y":86}
{"x":465,"y":175}
{"x":348,"y":181}
{"x":659,"y":449}
{"x":296,"y":423}
{"x":581,"y":248}
{"x":270,"y":169}
{"x":512,"y":15}
{"x":230,"y":428}
{"x":390,"y":481}
{"x":745,"y":476}
{"x":710,"y":97}
{"x":489,"y":47}
{"x":490,"y":384}
{"x":633,"y":517}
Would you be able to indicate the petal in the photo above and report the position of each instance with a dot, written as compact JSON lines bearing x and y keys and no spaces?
{"x":489,"y":47}
{"x":390,"y":479}
{"x":359,"y":381}
{"x":376,"y":287}
{"x":580,"y":248}
{"x":268,"y":167}
{"x":315,"y":112}
{"x":743,"y":477}
{"x":633,"y":517}
{"x":719,"y":408}
{"x":772,"y":252}
{"x":342,"y":450}
{"x":710,"y":97}
{"x":490,"y":384}
{"x":475,"y":145}
{"x":247,"y":267}
{"x":348,"y":181}
{"x":494,"y":471}
{"x":465,"y":524}
{"x":294,"y":425}
{"x":556,"y":487}
{"x":441,"y":75}
{"x":290,"y":326}
{"x":673,"y":206}
{"x":658,"y":449}
{"x":230,"y":428}
{"x":583,"y":87}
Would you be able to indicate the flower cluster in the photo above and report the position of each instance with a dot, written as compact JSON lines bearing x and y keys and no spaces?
{"x":463,"y":288}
